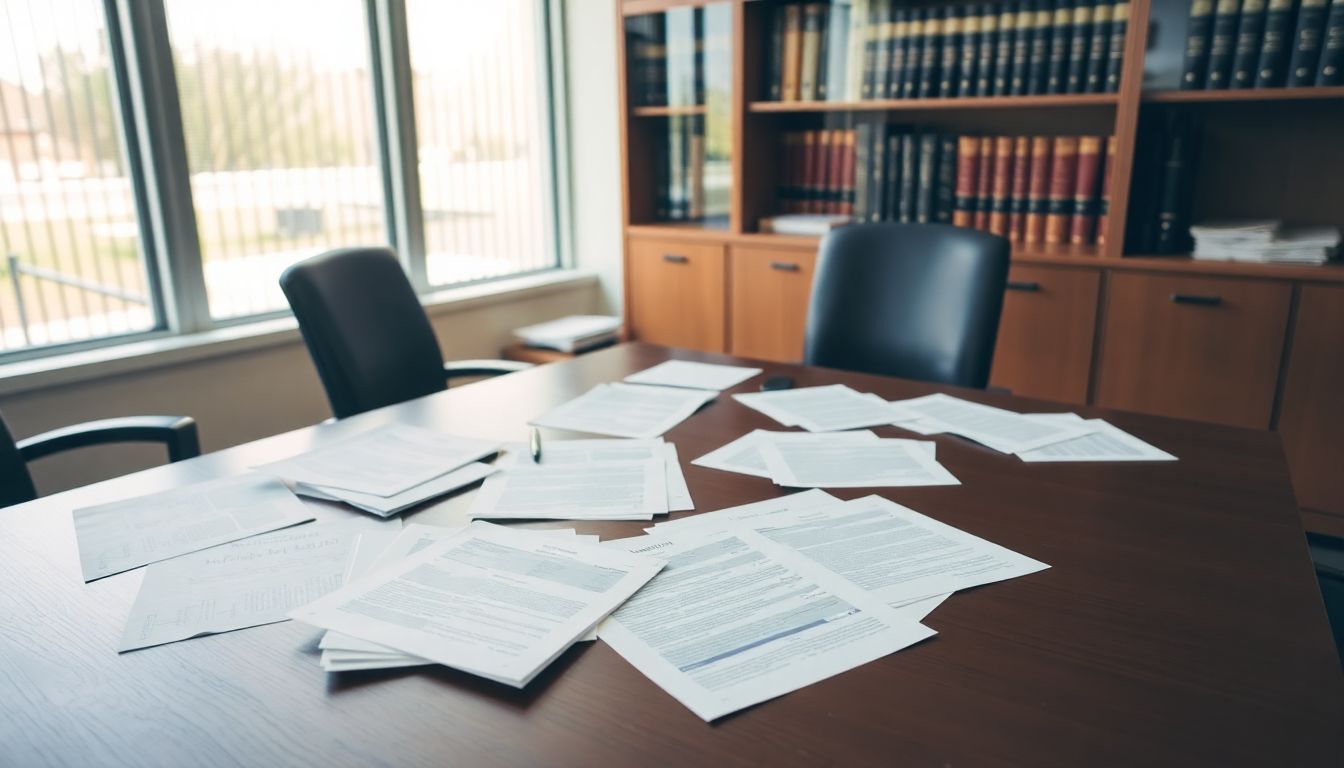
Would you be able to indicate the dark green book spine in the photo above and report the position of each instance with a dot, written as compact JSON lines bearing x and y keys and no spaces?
{"x":1246,"y":54}
{"x":1222,"y":43}
{"x":777,"y":54}
{"x":1173,"y":213}
{"x":1197,"y":31}
{"x":863,"y":141}
{"x":949,"y":68}
{"x":1079,"y":42}
{"x":1116,"y":62}
{"x":1307,"y":42}
{"x":823,"y":54}
{"x":1061,"y":29}
{"x":1099,"y":47}
{"x":893,"y":178}
{"x":872,"y":39}
{"x":969,"y":55}
{"x":928,"y":167}
{"x":877,"y":185}
{"x":905,"y":212}
{"x":900,"y":28}
{"x":1023,"y":33}
{"x":1038,"y":66}
{"x":1332,"y":47}
{"x":986,"y":50}
{"x":1003,"y":49}
{"x":930,"y":53}
{"x":1271,"y":70}
{"x":914,"y":55}
{"x":945,"y":196}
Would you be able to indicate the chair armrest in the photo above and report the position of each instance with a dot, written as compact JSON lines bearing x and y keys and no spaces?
{"x":462,"y":368}
{"x":177,"y":433}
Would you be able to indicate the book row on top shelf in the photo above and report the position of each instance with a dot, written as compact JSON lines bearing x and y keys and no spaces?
{"x":1238,"y":44}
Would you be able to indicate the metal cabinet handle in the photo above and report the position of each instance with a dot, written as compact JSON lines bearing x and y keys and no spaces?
{"x":784,"y":266}
{"x":1027,"y":287}
{"x":1194,"y":298}
{"x":672,"y":258}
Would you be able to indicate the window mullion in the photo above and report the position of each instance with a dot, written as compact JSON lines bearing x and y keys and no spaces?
{"x":394,"y":97}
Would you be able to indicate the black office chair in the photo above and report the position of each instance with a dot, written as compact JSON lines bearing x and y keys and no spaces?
{"x":367,"y":333}
{"x":177,"y":433}
{"x":917,"y":301}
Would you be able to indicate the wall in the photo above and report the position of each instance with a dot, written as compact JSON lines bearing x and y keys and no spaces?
{"x":251,"y":394}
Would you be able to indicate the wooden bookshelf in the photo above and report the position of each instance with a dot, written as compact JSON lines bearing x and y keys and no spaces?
{"x":1085,"y":324}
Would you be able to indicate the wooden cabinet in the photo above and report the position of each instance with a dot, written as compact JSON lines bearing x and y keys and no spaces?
{"x":676,"y":293}
{"x":770,"y":291}
{"x":1193,"y":347}
{"x":1045,"y":336}
{"x":1311,"y":414}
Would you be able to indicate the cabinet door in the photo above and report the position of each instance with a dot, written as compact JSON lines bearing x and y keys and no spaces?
{"x":770,"y":291}
{"x":677,"y":293}
{"x":1193,"y":347}
{"x":1311,"y":416}
{"x":1045,"y":336}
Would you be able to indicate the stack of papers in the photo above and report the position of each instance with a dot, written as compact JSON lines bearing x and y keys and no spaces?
{"x":692,"y":375}
{"x":493,"y":602}
{"x":830,"y":460}
{"x":571,"y":334}
{"x":626,"y":410}
{"x":1265,"y":242}
{"x":804,"y":588}
{"x":387,"y":470}
{"x":824,"y":409}
{"x":577,"y":453}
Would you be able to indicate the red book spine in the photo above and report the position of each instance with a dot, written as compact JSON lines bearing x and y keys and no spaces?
{"x":968,"y":181}
{"x":835,"y":171}
{"x":1063,"y":173}
{"x":821,"y":202}
{"x":1103,"y":213}
{"x":1038,"y":191}
{"x":809,"y":175}
{"x":1085,"y":199}
{"x":1017,"y":198}
{"x":983,"y":195}
{"x":1003,"y":180}
{"x":788,"y":173}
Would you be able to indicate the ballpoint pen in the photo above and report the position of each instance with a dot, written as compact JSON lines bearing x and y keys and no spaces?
{"x":534,"y":442}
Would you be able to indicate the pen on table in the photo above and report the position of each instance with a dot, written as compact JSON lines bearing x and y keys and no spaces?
{"x":535,"y":444}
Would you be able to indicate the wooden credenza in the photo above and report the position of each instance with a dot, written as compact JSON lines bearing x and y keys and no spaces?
{"x":1241,"y":345}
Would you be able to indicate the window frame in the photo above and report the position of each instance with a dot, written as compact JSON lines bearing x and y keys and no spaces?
{"x":149,"y":117}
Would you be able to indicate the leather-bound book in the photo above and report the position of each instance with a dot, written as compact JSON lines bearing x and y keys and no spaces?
{"x":1079,"y":44}
{"x":1063,"y":177}
{"x":1017,"y":193}
{"x":984,"y":202}
{"x":1195,"y":70}
{"x":1272,"y":69}
{"x":1001,"y":185}
{"x":1038,"y":190}
{"x":1222,"y":43}
{"x":1246,"y":51}
{"x":968,"y":181}
{"x":1086,"y":190}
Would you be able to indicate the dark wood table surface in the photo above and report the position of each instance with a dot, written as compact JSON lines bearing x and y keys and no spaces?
{"x":1180,"y":624}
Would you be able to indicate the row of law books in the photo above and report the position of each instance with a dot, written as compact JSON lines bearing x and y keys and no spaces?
{"x":850,"y":50}
{"x":1048,"y":190}
{"x":1263,"y":44}
{"x":676,"y":57}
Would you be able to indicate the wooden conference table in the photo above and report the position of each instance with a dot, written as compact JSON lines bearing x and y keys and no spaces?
{"x":1180,"y":623}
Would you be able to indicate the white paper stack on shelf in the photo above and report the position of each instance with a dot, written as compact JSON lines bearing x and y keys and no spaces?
{"x":806,"y":224}
{"x":831,"y":460}
{"x":490,"y":601}
{"x":388,"y":469}
{"x":1266,"y":242}
{"x":343,"y":653}
{"x":571,"y":334}
{"x":824,"y":409}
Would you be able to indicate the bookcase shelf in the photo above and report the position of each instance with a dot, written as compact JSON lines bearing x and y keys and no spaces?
{"x":1245,"y":95}
{"x":665,"y":111}
{"x":951,"y":104}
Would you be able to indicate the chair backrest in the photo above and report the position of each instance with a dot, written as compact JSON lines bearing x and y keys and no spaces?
{"x":365,"y":329}
{"x":917,"y":301}
{"x":16,"y":485}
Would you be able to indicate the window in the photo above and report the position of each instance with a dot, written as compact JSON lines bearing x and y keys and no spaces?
{"x":288,"y":128}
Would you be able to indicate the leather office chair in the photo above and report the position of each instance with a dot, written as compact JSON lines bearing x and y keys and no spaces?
{"x":917,"y":301}
{"x":367,"y":332}
{"x":177,"y":433}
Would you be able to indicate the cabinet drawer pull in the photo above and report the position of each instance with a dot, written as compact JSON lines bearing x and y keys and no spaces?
{"x":784,"y":266}
{"x":1027,"y":287}
{"x":674,"y":258}
{"x":1195,"y":298}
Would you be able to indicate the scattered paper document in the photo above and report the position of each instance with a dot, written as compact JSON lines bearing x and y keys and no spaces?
{"x":244,"y":583}
{"x":731,"y":623}
{"x":127,"y":534}
{"x":823,"y":409}
{"x":386,"y":506}
{"x":1108,"y":443}
{"x":626,"y":410}
{"x":824,"y":462}
{"x":577,"y":452}
{"x":692,"y":375}
{"x":487,"y":601}
{"x":995,"y":428}
{"x":624,"y":490}
{"x":743,"y":455}
{"x":724,"y":519}
{"x":383,"y":461}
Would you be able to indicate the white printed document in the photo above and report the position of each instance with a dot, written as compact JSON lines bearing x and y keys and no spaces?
{"x":692,"y":375}
{"x":824,"y":462}
{"x":732,"y":622}
{"x":823,"y":409}
{"x":1004,"y":431}
{"x":487,"y":601}
{"x":731,"y":516}
{"x":624,"y":490}
{"x":244,"y":583}
{"x":1108,"y":443}
{"x":626,"y":410}
{"x":127,"y":534}
{"x":578,"y":452}
{"x":743,"y":455}
{"x":386,"y":506}
{"x":383,"y":461}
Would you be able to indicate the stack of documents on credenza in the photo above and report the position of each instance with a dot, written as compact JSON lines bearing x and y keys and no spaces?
{"x":1266,"y":242}
{"x":857,"y":459}
{"x":389,"y":469}
{"x":495,"y":602}
{"x":571,"y":334}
